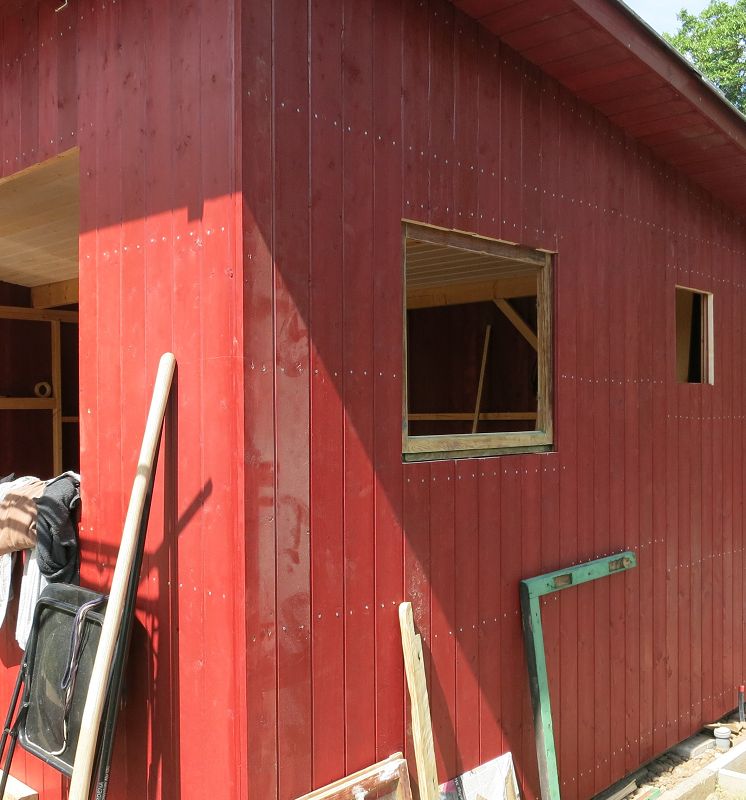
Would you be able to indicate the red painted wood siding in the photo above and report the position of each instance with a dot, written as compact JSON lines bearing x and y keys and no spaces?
{"x":353,"y":115}
{"x":356,"y":114}
{"x":146,"y":90}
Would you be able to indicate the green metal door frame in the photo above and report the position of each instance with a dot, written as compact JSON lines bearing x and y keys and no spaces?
{"x":532,"y":590}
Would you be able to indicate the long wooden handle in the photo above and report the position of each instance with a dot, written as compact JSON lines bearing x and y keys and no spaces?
{"x":110,"y":629}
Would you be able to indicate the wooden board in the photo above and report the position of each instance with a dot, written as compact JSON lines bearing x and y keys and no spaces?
{"x":386,"y":780}
{"x":422,"y":732}
{"x":59,"y":293}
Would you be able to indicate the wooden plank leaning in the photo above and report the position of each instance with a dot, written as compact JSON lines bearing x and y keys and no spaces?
{"x":422,"y":731}
{"x":112,"y":624}
{"x":386,"y":780}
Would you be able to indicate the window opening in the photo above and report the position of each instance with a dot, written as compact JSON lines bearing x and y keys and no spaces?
{"x":694,"y":343}
{"x":478,"y":345}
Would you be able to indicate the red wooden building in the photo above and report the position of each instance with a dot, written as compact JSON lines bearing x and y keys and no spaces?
{"x":228,"y":180}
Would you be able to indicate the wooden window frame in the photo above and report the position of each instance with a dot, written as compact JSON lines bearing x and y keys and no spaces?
{"x":541,"y":439}
{"x":707,"y":333}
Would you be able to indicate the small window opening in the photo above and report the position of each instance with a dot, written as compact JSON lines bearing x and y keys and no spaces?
{"x":694,"y":345}
{"x":478,"y":345}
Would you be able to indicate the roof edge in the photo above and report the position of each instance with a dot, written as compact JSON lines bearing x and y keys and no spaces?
{"x":654,"y":51}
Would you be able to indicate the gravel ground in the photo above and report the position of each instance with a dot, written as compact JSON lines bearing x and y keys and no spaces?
{"x":670,"y":769}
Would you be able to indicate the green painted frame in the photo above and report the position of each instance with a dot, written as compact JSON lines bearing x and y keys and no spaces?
{"x":531,"y":591}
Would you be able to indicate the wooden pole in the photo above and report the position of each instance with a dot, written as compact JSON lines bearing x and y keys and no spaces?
{"x":110,"y":629}
{"x":475,"y":423}
{"x":57,"y":395}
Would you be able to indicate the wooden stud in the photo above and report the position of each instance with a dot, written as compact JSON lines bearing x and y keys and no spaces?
{"x":26,"y":403}
{"x":708,"y":347}
{"x":544,"y":310}
{"x":51,"y":295}
{"x":515,"y":319}
{"x":473,"y":242}
{"x":480,"y":386}
{"x":387,"y":780}
{"x":452,"y":294}
{"x":477,"y":441}
{"x":405,"y":345}
{"x":464,"y":416}
{"x":57,"y":397}
{"x":422,"y":732}
{"x":37,"y":314}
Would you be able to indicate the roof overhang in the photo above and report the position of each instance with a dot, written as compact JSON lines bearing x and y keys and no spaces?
{"x":606,"y":55}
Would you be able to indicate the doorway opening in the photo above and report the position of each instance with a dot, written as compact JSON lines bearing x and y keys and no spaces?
{"x":39,"y":229}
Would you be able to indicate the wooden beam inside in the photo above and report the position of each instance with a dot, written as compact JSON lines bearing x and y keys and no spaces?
{"x":464,"y":416}
{"x":37,"y":314}
{"x":27,"y":403}
{"x":52,"y":295}
{"x":483,"y":291}
{"x":57,"y":395}
{"x":478,"y":407}
{"x":518,"y":323}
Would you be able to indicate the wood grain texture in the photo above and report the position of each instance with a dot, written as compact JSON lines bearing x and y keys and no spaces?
{"x":422,"y":731}
{"x":144,"y":95}
{"x":386,"y":780}
{"x":256,"y":163}
{"x":468,"y":136}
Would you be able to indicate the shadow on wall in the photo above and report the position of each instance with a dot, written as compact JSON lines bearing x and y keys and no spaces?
{"x":324,"y":276}
{"x":350,"y":534}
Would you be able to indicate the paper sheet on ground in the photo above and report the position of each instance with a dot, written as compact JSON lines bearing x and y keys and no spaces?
{"x":494,"y":780}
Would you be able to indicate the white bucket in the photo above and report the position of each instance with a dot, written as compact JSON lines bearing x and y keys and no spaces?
{"x":722,"y":738}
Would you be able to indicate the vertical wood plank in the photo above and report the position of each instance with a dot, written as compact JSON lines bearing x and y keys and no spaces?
{"x":387,"y":370}
{"x":56,"y":346}
{"x":566,"y":361}
{"x":291,"y":299}
{"x":261,"y":557}
{"x":443,"y":488}
{"x":417,"y":570}
{"x":327,"y":407}
{"x":357,"y":289}
{"x":601,"y":414}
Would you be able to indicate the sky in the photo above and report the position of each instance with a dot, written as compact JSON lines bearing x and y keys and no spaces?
{"x":661,"y":14}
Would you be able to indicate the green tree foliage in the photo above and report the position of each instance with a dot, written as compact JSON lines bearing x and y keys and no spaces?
{"x":715,"y":42}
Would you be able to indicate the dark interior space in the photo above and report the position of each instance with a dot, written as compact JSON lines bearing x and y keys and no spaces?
{"x":445,"y":347}
{"x":691,"y":336}
{"x":26,"y":360}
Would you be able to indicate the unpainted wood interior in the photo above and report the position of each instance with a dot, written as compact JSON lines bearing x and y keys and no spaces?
{"x":39,"y":222}
{"x":39,"y":228}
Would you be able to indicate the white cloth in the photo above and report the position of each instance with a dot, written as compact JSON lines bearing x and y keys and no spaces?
{"x":6,"y":560}
{"x":32,"y":585}
{"x":6,"y":585}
